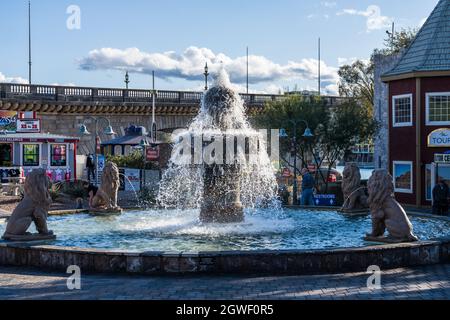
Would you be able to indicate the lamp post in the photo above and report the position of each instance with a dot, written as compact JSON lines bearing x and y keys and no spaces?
{"x":307,"y":134}
{"x":109,"y":131}
{"x":127,"y":80}
{"x":143,"y":145}
{"x":206,"y":74}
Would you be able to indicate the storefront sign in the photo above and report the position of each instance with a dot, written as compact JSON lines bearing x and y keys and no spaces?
{"x":442,"y":158}
{"x":152,"y":153}
{"x":28,"y":126}
{"x":439,"y":138}
{"x":8,"y":121}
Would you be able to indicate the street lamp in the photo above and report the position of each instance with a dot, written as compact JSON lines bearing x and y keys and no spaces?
{"x":109,"y":131}
{"x":127,"y":79}
{"x":206,"y":74}
{"x":307,"y":134}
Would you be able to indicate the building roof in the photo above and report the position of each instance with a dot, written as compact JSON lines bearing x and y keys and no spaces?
{"x":39,"y":137}
{"x":430,"y":50}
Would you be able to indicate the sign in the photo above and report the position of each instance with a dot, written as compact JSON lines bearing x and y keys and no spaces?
{"x":325,"y":200}
{"x":28,"y":126}
{"x":152,"y":153}
{"x":132,"y":179}
{"x":439,"y":138}
{"x":442,"y":158}
{"x":8,"y":121}
{"x":286,"y":173}
{"x":101,"y":162}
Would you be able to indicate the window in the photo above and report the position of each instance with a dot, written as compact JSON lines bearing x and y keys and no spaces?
{"x":438,"y":108}
{"x":58,"y":155}
{"x":30,"y":155}
{"x":403,"y":176}
{"x":5,"y":155}
{"x":402,"y":110}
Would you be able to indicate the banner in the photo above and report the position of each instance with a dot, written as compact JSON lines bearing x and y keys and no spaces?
{"x":8,"y":121}
{"x":28,"y":126}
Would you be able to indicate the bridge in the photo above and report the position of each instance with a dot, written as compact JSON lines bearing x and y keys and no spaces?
{"x":63,"y":108}
{"x":68,"y":99}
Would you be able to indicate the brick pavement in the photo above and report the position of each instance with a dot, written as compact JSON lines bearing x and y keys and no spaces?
{"x":431,"y":282}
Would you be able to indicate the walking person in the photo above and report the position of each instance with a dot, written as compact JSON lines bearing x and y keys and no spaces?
{"x":308,"y":184}
{"x":440,"y":198}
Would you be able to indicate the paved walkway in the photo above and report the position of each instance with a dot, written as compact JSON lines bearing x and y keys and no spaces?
{"x":432,"y":282}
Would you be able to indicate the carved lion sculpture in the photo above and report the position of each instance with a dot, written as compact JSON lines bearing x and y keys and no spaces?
{"x":33,"y":208}
{"x":386,"y":212}
{"x":106,"y":196}
{"x":354,"y":195}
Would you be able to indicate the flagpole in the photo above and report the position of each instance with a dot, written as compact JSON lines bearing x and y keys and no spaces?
{"x":247,"y":69}
{"x":319,"y":84}
{"x":29,"y":42}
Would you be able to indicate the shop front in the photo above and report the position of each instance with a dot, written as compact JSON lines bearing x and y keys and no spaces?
{"x":20,"y":153}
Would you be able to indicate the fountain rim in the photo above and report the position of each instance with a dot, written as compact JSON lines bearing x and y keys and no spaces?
{"x":273,"y":262}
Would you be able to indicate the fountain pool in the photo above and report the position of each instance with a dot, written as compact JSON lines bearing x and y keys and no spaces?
{"x":182,"y":231}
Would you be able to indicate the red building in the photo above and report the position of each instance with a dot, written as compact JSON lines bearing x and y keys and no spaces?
{"x":419,"y":112}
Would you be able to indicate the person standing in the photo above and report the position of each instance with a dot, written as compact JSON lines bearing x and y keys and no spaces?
{"x":440,"y":198}
{"x":90,"y":166}
{"x":308,"y":184}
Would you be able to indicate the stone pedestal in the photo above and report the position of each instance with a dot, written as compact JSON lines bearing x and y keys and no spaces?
{"x":221,"y":195}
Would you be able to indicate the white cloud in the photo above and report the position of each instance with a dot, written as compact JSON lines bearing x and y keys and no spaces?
{"x":189,"y":65}
{"x":6,"y":79}
{"x":328,"y":4}
{"x":375,"y":21}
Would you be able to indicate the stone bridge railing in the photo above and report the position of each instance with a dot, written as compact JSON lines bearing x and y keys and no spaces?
{"x":48,"y":93}
{"x":109,"y":95}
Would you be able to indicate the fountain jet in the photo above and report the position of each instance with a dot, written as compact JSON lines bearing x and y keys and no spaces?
{"x":226,"y":167}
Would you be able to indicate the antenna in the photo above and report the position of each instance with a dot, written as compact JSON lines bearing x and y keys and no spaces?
{"x":319,"y":84}
{"x":247,"y":69}
{"x":29,"y":41}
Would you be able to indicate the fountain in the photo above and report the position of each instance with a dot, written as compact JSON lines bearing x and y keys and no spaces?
{"x":220,"y":162}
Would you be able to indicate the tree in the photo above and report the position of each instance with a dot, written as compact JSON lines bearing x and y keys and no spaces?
{"x":357,"y":79}
{"x":336,"y":130}
{"x":398,"y":41}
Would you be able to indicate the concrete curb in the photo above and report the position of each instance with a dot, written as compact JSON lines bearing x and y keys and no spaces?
{"x":283,"y":262}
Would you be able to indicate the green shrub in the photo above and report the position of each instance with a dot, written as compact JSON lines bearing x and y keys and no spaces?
{"x":134,"y":160}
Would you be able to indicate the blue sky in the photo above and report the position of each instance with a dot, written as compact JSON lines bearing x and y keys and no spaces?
{"x":176,"y":37}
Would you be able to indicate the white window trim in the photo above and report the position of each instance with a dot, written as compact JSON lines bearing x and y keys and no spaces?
{"x":40,"y":155}
{"x":427,"y":104}
{"x":397,"y":190}
{"x":50,"y":156}
{"x":402,"y":124}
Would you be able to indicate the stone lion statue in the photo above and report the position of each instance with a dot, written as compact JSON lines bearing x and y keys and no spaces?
{"x":33,"y":208}
{"x":386,"y":212}
{"x":106,"y":196}
{"x":354,"y":195}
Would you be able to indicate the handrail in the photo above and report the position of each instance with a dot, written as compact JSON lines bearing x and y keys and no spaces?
{"x":84,"y":94}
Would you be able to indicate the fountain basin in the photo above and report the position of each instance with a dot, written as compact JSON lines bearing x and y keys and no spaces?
{"x":138,"y":242}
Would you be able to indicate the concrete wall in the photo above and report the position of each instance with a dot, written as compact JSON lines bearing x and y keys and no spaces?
{"x":383,"y":64}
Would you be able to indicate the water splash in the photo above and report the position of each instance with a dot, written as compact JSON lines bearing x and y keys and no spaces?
{"x":249,"y":182}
